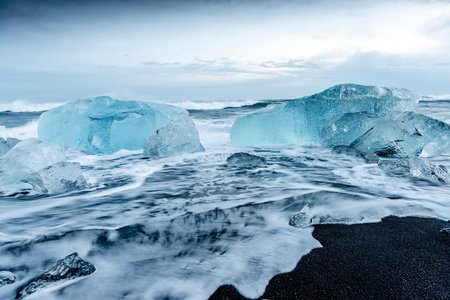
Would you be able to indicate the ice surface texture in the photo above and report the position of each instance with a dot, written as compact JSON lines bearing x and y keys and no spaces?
{"x":398,"y":134}
{"x":6,"y":145}
{"x":68,"y":268}
{"x":416,"y":167}
{"x":301,"y":120}
{"x":43,"y":167}
{"x":103,"y":125}
{"x":368,"y":156}
{"x":177,"y":137}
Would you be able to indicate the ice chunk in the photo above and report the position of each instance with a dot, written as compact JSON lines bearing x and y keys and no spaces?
{"x":242,"y":159}
{"x":417,"y":167}
{"x":58,"y":178}
{"x":301,"y":120}
{"x":302,"y":219}
{"x":42,"y":167}
{"x":368,"y":156}
{"x":177,"y":137}
{"x":6,"y":277}
{"x":402,"y":134}
{"x":104,"y":125}
{"x":6,"y":145}
{"x":29,"y":156}
{"x":68,"y":268}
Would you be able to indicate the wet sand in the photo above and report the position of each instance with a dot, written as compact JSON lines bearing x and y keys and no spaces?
{"x":397,"y":258}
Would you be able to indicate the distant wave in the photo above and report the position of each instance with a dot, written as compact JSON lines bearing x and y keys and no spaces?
{"x":435,"y":97}
{"x":25,"y":106}
{"x":212,"y":104}
{"x":29,"y":130}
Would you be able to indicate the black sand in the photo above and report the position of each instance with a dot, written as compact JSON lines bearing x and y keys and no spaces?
{"x":398,"y":258}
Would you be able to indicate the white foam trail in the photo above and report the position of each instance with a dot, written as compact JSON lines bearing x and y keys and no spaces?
{"x":25,"y":106}
{"x":29,"y":130}
{"x":140,"y":173}
{"x":435,"y":97}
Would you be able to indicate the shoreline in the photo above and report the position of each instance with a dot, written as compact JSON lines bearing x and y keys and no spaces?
{"x":397,"y":258}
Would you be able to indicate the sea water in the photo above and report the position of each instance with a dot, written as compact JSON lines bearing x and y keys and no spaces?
{"x":179,"y":227}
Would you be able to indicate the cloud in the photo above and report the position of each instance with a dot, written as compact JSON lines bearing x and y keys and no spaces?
{"x":60,"y":50}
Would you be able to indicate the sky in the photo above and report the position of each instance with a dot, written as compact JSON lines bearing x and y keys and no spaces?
{"x":63,"y":50}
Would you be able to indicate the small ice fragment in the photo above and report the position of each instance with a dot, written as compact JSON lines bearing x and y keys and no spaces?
{"x":6,"y":277}
{"x":68,"y":268}
{"x":302,"y":219}
{"x":416,"y":167}
{"x":58,"y":178}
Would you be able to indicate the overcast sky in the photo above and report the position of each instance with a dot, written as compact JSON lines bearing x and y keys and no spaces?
{"x":53,"y":51}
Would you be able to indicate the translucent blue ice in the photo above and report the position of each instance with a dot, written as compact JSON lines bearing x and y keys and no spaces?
{"x":416,"y":167}
{"x":177,"y":137}
{"x":34,"y":165}
{"x":301,"y":120}
{"x":104,"y":125}
{"x":6,"y":145}
{"x":399,"y":134}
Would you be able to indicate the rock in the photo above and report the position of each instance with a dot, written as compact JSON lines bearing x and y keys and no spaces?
{"x":446,"y":231}
{"x":243,"y":160}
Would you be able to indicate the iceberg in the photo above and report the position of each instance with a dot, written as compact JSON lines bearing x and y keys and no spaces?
{"x":103,"y":125}
{"x":301,"y":120}
{"x":32,"y":164}
{"x":8,"y":144}
{"x":177,"y":137}
{"x":398,"y":134}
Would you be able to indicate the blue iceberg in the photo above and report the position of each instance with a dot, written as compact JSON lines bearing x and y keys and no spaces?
{"x":103,"y":125}
{"x":34,"y":165}
{"x":301,"y":120}
{"x":399,"y":134}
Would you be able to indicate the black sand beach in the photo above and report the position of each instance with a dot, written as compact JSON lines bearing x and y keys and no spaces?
{"x":398,"y":258}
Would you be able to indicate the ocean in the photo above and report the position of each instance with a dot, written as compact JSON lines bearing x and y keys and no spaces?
{"x":180,"y":227}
